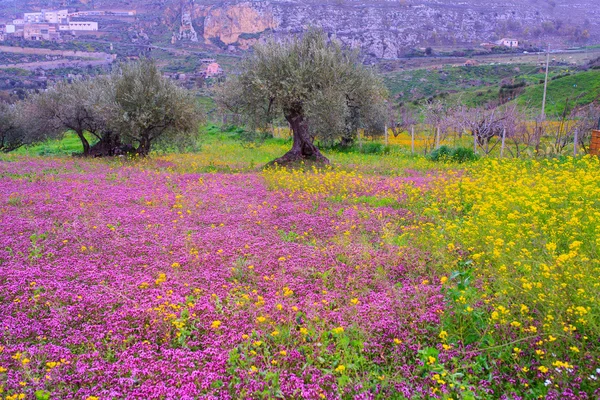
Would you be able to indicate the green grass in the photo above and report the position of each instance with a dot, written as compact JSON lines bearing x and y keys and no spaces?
{"x":68,"y":145}
{"x":576,"y":90}
{"x":468,"y":81}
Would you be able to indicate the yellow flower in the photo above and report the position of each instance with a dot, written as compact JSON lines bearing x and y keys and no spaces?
{"x":338,"y":330}
{"x":283,"y":353}
{"x":354,"y":301}
{"x":443,"y":335}
{"x":2,"y":369}
{"x":261,"y":319}
{"x":542,"y":369}
{"x":279,"y":307}
{"x":257,"y":343}
{"x":215,"y":324}
{"x":443,"y":279}
{"x":25,"y":361}
{"x":397,"y":341}
{"x":551,"y":247}
{"x":431,"y":360}
{"x":245,"y":337}
{"x":175,"y":265}
{"x":574,"y":349}
{"x":340,"y":368}
{"x":92,"y":398}
{"x":275,"y":333}
{"x":304,"y":331}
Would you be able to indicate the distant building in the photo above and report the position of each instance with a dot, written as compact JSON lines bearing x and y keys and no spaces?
{"x":115,"y":13}
{"x":79,"y":26}
{"x":33,"y":18}
{"x":51,"y":17}
{"x":213,"y":69}
{"x":471,"y":63}
{"x":40,"y":32}
{"x":47,"y":25}
{"x":488,"y":46}
{"x":512,"y":43}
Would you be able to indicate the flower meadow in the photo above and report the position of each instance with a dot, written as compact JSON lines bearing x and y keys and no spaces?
{"x":153,"y":279}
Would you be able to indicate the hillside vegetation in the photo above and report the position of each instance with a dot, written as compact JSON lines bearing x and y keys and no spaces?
{"x":572,"y":90}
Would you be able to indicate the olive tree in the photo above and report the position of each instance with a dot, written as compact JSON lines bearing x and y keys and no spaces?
{"x":321,"y":89}
{"x":71,"y":106}
{"x":148,"y":106}
{"x":12,"y":135}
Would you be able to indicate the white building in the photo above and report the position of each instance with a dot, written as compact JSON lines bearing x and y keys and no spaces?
{"x":56,"y":17}
{"x":19,"y":21}
{"x":508,"y":42}
{"x":79,"y":26}
{"x":47,"y":16}
{"x":33,"y":18}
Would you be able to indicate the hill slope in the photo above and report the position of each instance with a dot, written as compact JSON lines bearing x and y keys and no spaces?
{"x":383,"y":29}
{"x":575,"y":90}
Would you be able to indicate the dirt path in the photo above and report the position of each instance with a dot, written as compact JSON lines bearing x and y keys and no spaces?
{"x":83,"y":59}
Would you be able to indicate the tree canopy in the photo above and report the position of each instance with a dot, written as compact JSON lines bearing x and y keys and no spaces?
{"x":321,"y":89}
{"x":127,"y":110}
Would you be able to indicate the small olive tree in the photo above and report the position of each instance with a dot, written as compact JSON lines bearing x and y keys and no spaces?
{"x":12,"y":135}
{"x":71,"y":107}
{"x":322,"y":90}
{"x":148,"y":106}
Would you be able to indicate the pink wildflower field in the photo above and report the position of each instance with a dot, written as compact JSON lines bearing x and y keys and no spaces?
{"x":143,"y":281}
{"x":132,"y":283}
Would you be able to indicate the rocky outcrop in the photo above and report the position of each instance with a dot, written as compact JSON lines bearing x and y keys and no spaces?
{"x":387,"y":29}
{"x":230,"y":21}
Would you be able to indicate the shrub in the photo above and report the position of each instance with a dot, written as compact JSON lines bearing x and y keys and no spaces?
{"x":374,"y":148}
{"x":458,"y":155}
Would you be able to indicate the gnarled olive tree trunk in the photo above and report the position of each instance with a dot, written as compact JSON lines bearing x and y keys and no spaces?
{"x":303,"y":147}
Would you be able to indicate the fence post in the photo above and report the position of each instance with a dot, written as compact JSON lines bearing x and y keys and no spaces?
{"x":437,"y":138}
{"x":575,"y":141}
{"x":503,"y":143}
{"x":412,"y":139}
{"x":386,"y":135}
{"x":475,"y":142}
{"x":360,"y":144}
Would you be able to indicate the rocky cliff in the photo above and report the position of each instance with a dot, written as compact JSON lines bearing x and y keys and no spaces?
{"x":386,"y":29}
{"x":381,"y":28}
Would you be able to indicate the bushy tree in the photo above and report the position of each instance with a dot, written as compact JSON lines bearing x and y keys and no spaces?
{"x":129,"y":109}
{"x":148,"y":106}
{"x":12,"y":135}
{"x":322,"y":90}
{"x":73,"y":107}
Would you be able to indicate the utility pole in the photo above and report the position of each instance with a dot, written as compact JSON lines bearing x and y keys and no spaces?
{"x":546,"y":84}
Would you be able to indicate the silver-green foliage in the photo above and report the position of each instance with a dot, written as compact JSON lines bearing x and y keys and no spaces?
{"x":149,"y":107}
{"x":311,"y":76}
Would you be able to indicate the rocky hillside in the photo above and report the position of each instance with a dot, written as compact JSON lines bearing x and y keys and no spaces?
{"x":381,"y":28}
